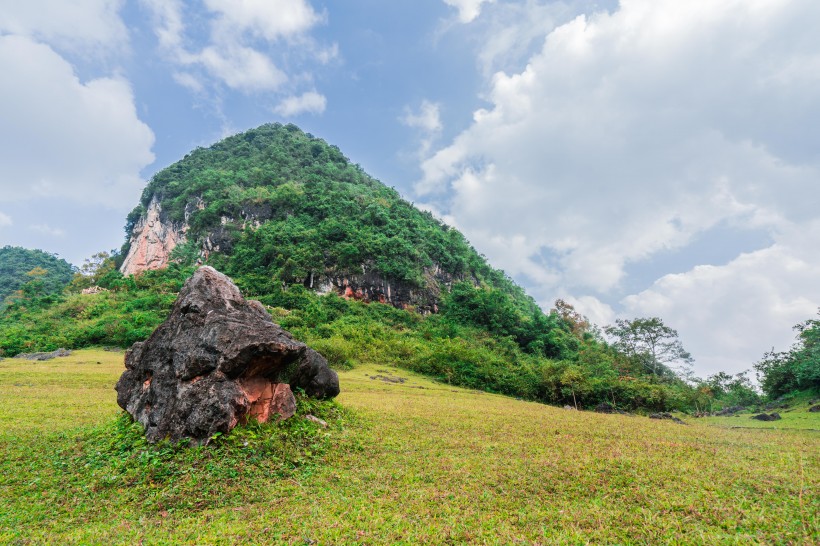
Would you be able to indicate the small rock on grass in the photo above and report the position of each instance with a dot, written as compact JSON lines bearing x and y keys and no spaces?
{"x":44,"y":356}
{"x":666,"y":415}
{"x":316,"y":420}
{"x":767,"y":417}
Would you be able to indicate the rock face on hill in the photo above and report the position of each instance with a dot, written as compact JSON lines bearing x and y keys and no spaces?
{"x":216,"y":362}
{"x":152,"y":240}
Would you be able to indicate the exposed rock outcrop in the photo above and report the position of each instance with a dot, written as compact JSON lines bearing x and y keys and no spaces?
{"x":152,"y":241}
{"x":217,"y":361}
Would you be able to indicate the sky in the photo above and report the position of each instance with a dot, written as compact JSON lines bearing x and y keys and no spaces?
{"x":636,"y":158}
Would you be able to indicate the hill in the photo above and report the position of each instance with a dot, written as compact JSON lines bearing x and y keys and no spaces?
{"x":275,"y":207}
{"x":412,"y":462}
{"x":19,"y":266}
{"x":348,"y":266}
{"x":288,"y":208}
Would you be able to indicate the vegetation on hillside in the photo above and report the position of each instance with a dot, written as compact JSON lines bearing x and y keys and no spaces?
{"x":453,"y":346}
{"x":41,"y":273}
{"x":313,"y":211}
{"x":797,"y":369}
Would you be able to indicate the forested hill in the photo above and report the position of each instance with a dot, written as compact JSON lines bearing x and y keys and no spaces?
{"x":20,"y":266}
{"x":275,"y":207}
{"x":352,"y":269}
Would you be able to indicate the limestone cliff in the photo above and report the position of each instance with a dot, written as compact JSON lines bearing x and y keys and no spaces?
{"x":152,"y":241}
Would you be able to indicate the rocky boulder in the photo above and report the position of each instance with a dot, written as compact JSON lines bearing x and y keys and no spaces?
{"x":767,"y":417}
{"x":44,"y":356}
{"x":667,"y":415}
{"x":217,"y":361}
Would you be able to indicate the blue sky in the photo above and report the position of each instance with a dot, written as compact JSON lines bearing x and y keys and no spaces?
{"x":637,"y":158}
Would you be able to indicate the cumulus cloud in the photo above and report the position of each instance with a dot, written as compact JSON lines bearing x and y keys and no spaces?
{"x":730,"y":315}
{"x":62,"y":137}
{"x":629,"y":133}
{"x":468,"y":10}
{"x":242,"y":40}
{"x":81,"y":25}
{"x":306,"y":103}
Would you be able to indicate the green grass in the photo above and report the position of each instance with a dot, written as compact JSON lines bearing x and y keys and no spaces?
{"x":412,"y":462}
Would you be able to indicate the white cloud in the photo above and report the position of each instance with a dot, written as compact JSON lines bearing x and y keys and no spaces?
{"x":169,"y":27}
{"x":46,"y":229}
{"x":239,"y":49}
{"x":427,"y":119}
{"x":729,"y":315}
{"x":61,"y":137}
{"x":242,"y":68}
{"x":268,"y":19}
{"x":5,"y":220}
{"x":310,"y":102}
{"x":468,"y":10}
{"x":630,"y":133}
{"x":189,"y":81}
{"x":92,"y":26}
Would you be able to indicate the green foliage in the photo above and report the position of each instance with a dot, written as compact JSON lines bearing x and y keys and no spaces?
{"x":730,"y":390}
{"x":127,"y":312}
{"x":52,"y":274}
{"x":651,"y":344}
{"x":313,"y":212}
{"x":795,"y":370}
{"x":117,"y":453}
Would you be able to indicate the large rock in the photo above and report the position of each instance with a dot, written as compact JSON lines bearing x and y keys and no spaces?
{"x":217,"y":361}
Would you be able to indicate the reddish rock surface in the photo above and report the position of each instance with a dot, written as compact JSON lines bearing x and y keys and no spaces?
{"x":152,"y":241}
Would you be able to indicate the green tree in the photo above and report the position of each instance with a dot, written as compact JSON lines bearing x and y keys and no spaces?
{"x":652,"y":344}
{"x":794,"y":370}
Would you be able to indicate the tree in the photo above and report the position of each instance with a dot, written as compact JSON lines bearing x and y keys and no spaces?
{"x":578,"y":323}
{"x":732,"y":390}
{"x":651,"y":343}
{"x":794,"y":370}
{"x":93,"y":270}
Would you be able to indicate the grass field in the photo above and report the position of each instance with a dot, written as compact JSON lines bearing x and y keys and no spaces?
{"x":413,"y":462}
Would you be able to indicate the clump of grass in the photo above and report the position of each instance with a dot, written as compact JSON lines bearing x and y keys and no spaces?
{"x":116,"y":455}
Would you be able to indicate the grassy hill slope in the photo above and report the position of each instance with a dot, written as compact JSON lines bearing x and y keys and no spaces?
{"x":402,"y":462}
